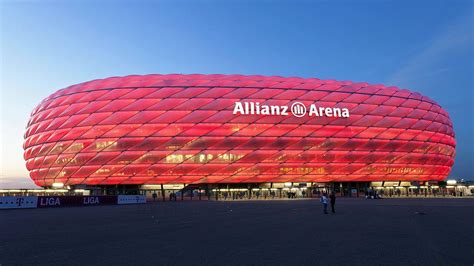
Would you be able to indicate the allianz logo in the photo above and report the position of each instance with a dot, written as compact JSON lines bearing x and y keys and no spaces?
{"x":297,"y":109}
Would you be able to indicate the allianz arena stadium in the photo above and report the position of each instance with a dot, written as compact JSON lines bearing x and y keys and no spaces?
{"x":231,"y":130}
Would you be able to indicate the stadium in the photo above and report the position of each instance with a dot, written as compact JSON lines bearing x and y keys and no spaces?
{"x":236,"y":133}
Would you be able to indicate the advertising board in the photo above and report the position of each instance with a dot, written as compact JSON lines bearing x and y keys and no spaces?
{"x":18,"y":202}
{"x":131,"y":199}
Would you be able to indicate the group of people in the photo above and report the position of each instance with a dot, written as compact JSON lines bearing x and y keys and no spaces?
{"x":372,"y":194}
{"x":325,"y":200}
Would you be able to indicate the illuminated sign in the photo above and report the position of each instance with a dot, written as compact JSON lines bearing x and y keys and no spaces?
{"x":297,"y":109}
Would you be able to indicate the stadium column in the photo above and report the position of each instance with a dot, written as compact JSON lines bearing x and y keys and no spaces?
{"x":163,"y":193}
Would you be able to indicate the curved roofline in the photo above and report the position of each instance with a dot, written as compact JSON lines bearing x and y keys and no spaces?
{"x":224,"y":80}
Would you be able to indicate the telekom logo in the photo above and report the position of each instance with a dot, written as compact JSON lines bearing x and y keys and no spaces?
{"x":298,"y":109}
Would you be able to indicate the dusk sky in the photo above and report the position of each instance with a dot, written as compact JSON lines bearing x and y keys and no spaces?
{"x":424,"y":46}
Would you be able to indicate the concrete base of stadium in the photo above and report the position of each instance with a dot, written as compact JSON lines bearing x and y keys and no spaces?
{"x":282,"y":190}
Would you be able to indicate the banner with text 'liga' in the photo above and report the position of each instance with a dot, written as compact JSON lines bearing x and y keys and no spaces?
{"x":11,"y":202}
{"x":131,"y":199}
{"x":67,"y":201}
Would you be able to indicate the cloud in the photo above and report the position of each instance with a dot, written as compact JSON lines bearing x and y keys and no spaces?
{"x":454,"y":37}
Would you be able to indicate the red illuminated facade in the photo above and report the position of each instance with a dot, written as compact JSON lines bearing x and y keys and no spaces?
{"x":162,"y":129}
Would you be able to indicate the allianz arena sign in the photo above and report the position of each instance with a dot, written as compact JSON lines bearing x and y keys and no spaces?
{"x":297,"y":109}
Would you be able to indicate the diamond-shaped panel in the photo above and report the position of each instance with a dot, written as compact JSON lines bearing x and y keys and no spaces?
{"x":181,"y":129}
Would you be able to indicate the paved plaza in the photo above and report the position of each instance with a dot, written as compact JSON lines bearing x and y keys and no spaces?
{"x":279,"y":232}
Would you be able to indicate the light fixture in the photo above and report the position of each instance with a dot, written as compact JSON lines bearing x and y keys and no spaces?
{"x":58,"y":185}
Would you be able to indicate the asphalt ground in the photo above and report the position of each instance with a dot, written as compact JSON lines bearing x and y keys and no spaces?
{"x":280,"y":232}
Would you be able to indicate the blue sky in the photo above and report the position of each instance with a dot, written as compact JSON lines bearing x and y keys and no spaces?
{"x":425,"y":46}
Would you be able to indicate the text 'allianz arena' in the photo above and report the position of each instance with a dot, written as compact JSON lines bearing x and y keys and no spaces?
{"x":164,"y":129}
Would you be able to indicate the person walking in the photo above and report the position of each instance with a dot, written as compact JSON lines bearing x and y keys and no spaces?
{"x":332,"y":199}
{"x":324,"y":201}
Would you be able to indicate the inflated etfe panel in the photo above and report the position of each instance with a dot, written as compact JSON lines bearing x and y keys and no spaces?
{"x":156,"y":129}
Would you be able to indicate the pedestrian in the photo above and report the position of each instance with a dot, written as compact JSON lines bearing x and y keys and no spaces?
{"x":154,"y":196}
{"x":332,"y":198}
{"x":324,"y":201}
{"x":173,"y":196}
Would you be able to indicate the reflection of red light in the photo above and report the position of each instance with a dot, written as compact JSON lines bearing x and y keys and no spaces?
{"x":181,"y":129}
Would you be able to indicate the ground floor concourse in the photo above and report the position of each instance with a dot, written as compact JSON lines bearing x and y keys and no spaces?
{"x":265,"y":191}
